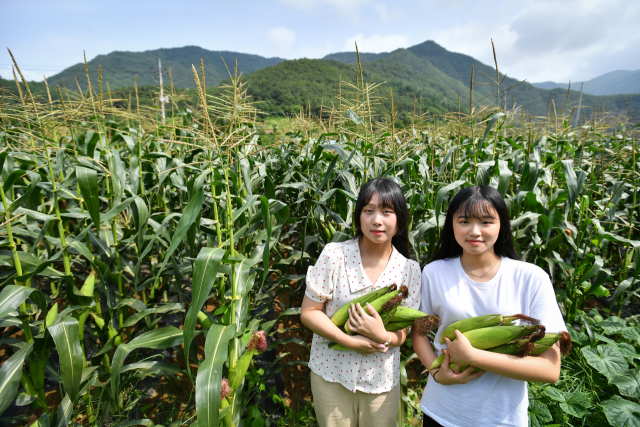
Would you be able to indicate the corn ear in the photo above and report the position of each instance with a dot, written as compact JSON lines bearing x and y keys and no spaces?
{"x":406,"y":313}
{"x":465,"y":325}
{"x":486,"y":321}
{"x":486,"y":338}
{"x":549,"y":340}
{"x":89,"y":284}
{"x":340,"y":317}
{"x":377,"y":305}
{"x":438,"y":362}
{"x":396,"y":326}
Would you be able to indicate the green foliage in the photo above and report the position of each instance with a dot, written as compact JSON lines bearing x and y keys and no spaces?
{"x":205,"y":209}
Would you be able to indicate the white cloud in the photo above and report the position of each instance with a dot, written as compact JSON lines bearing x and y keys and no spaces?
{"x":376,"y":43}
{"x":281,"y":38}
{"x":343,"y":6}
{"x":554,"y":40}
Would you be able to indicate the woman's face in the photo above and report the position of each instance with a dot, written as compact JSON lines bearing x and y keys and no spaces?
{"x":476,"y":235}
{"x":377,"y":222}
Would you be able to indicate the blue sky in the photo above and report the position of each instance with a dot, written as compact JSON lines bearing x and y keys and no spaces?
{"x":535,"y":40}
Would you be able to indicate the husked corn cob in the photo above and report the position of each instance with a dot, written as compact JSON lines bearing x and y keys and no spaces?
{"x":486,"y":321}
{"x":340,"y":317}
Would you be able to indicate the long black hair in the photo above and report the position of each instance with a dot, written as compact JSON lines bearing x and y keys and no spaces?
{"x":476,"y":202}
{"x":391,"y":196}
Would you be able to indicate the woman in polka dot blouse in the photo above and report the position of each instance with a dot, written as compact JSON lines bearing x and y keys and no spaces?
{"x":360,"y":387}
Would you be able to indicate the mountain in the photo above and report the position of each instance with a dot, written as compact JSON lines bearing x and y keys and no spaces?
{"x":422,"y":78}
{"x":352,"y":57}
{"x":613,"y":83}
{"x":119,"y":68}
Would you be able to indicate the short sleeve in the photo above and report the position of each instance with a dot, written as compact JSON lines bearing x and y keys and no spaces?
{"x":544,"y":305}
{"x":413,"y":284}
{"x":320,"y":280}
{"x":425,"y":294}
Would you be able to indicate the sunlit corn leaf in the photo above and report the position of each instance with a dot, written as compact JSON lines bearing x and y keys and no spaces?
{"x":10,"y":373}
{"x":65,"y":334}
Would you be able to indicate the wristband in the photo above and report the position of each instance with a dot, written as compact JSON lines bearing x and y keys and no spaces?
{"x":434,"y":376}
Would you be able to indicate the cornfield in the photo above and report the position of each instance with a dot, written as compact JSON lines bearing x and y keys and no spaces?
{"x":139,"y":249}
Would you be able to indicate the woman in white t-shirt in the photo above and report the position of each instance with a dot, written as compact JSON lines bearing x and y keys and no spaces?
{"x":360,"y":387}
{"x":475,"y":272}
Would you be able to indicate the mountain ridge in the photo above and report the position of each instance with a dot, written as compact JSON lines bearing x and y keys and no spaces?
{"x":611,"y":83}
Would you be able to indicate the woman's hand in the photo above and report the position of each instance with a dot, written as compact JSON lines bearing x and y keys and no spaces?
{"x":445,"y":376}
{"x":461,"y":351}
{"x":370,"y":326}
{"x":364,"y":345}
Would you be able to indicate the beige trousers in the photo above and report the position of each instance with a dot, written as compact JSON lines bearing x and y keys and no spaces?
{"x":338,"y":407}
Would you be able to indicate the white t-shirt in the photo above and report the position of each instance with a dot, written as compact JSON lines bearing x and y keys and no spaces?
{"x":517,"y":288}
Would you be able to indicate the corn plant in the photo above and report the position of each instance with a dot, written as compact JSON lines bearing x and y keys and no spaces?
{"x":120,"y":228}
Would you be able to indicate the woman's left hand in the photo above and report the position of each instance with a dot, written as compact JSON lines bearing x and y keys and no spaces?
{"x":461,"y":351}
{"x":369,"y":326}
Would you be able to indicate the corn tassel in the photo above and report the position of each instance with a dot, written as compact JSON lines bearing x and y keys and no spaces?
{"x":340,"y":317}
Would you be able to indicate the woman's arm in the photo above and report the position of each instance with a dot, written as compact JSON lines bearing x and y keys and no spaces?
{"x":315,"y":319}
{"x":443,"y":375}
{"x":542,"y":368}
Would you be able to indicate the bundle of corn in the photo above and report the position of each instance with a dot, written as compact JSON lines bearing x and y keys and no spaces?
{"x":386,"y":301}
{"x":497,"y":334}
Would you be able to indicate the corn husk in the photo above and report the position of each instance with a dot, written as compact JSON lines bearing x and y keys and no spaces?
{"x":486,"y":321}
{"x":377,"y":305}
{"x":340,"y":317}
{"x":406,"y":313}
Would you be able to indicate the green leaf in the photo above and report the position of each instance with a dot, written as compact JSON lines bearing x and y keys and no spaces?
{"x":351,"y":115}
{"x":572,"y":181}
{"x":628,"y":383}
{"x":505,"y":177}
{"x":11,"y":297}
{"x":204,"y":274}
{"x":35,"y":179}
{"x":631,"y":333}
{"x":575,"y":404}
{"x":613,"y":325}
{"x":115,"y":211}
{"x":621,"y":412}
{"x":490,"y":126}
{"x":65,"y":334}
{"x":158,"y":339}
{"x":606,"y":359}
{"x":442,"y":193}
{"x":141,"y":422}
{"x":209,"y":379}
{"x":65,"y":411}
{"x":188,"y":217}
{"x":266,"y":254}
{"x":10,"y":373}
{"x":88,"y":185}
{"x":539,"y":414}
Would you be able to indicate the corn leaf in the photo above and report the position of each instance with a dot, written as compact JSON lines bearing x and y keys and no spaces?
{"x":209,"y":379}
{"x":204,"y":275}
{"x":10,"y":373}
{"x":65,"y":334}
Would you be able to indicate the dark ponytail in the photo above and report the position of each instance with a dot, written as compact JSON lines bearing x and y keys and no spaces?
{"x":391,"y":196}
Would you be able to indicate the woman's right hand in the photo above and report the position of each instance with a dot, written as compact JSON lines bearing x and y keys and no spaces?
{"x":446,"y":376}
{"x":364,"y":345}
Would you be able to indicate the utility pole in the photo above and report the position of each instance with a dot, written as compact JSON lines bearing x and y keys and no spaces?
{"x":163,"y":99}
